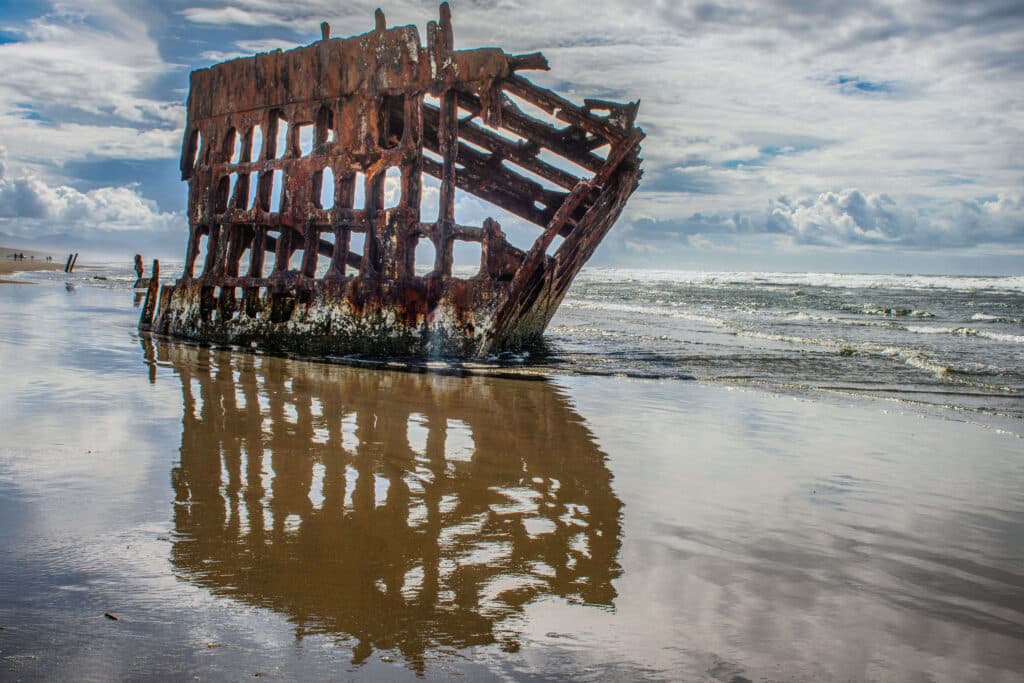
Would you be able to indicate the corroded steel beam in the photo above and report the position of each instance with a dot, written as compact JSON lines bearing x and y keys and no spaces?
{"x":288,"y":154}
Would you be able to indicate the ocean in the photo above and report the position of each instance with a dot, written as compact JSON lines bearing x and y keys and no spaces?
{"x":952,"y":343}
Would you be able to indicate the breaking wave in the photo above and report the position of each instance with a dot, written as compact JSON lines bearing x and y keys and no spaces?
{"x":832,"y":280}
{"x":967,"y":332}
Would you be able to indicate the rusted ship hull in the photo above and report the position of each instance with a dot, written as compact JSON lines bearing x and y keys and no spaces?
{"x":369,"y":102}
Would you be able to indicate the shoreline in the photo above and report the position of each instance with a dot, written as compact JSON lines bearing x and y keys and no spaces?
{"x":10,"y":268}
{"x":989,"y":418}
{"x":991,"y":421}
{"x":34,"y":261}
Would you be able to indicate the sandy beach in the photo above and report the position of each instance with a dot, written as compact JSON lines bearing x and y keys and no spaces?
{"x":34,"y":260}
{"x":240,"y":515}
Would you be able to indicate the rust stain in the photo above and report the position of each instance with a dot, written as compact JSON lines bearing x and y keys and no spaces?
{"x":365,"y":105}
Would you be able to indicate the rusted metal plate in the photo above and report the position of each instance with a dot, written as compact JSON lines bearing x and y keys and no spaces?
{"x":361,"y":105}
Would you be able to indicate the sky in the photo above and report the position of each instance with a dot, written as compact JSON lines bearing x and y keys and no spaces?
{"x":795,"y":135}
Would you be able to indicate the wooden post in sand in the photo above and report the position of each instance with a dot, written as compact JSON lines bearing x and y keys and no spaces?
{"x":71,"y":268}
{"x":67,"y":266}
{"x":140,"y":281}
{"x":148,"y":308}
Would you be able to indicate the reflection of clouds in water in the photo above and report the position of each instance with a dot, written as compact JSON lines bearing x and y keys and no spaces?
{"x":842,"y":542}
{"x":408,"y":511}
{"x":67,"y":422}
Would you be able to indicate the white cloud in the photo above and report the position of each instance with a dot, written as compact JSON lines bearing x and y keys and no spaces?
{"x":76,"y":83}
{"x":35,"y":145}
{"x":847,"y":219}
{"x":28,"y":204}
{"x":96,"y":58}
{"x":851,"y":217}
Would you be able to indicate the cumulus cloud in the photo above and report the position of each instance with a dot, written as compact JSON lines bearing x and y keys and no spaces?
{"x":28,"y":204}
{"x":849,"y":219}
{"x":852,"y":217}
{"x":840,"y":218}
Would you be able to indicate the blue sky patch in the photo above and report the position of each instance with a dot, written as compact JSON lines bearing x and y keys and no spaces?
{"x":766,"y":154}
{"x":855,"y":85}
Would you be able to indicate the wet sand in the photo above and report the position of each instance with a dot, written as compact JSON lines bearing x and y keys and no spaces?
{"x":250,"y":516}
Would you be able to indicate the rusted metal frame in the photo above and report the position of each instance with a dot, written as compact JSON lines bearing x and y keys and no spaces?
{"x":544,"y":134}
{"x":465,"y":233}
{"x":441,"y":42}
{"x":594,"y":225}
{"x":625,"y":111}
{"x":277,"y":164}
{"x":245,"y":281}
{"x":501,"y":198}
{"x":320,"y":217}
{"x":192,"y":250}
{"x":488,"y":170}
{"x":446,"y":134}
{"x":257,"y":256}
{"x":524,"y":155}
{"x":368,"y":265}
{"x":412,"y":177}
{"x":494,"y":168}
{"x":344,"y":198}
{"x":447,"y":146}
{"x":596,"y":222}
{"x":486,"y":177}
{"x":324,"y":248}
{"x":618,"y":154}
{"x":572,"y":202}
{"x":561,"y":217}
{"x":533,"y":299}
{"x":449,"y":233}
{"x":534,"y":61}
{"x":311,"y":251}
{"x":239,"y":238}
{"x":341,"y":254}
{"x":283,"y":250}
{"x":562,"y":108}
{"x":212,"y":246}
{"x":190,"y":149}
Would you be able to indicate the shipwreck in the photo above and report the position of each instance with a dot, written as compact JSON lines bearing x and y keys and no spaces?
{"x":298,"y":243}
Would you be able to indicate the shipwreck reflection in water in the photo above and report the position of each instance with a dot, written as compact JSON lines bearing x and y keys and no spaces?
{"x":407,"y":511}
